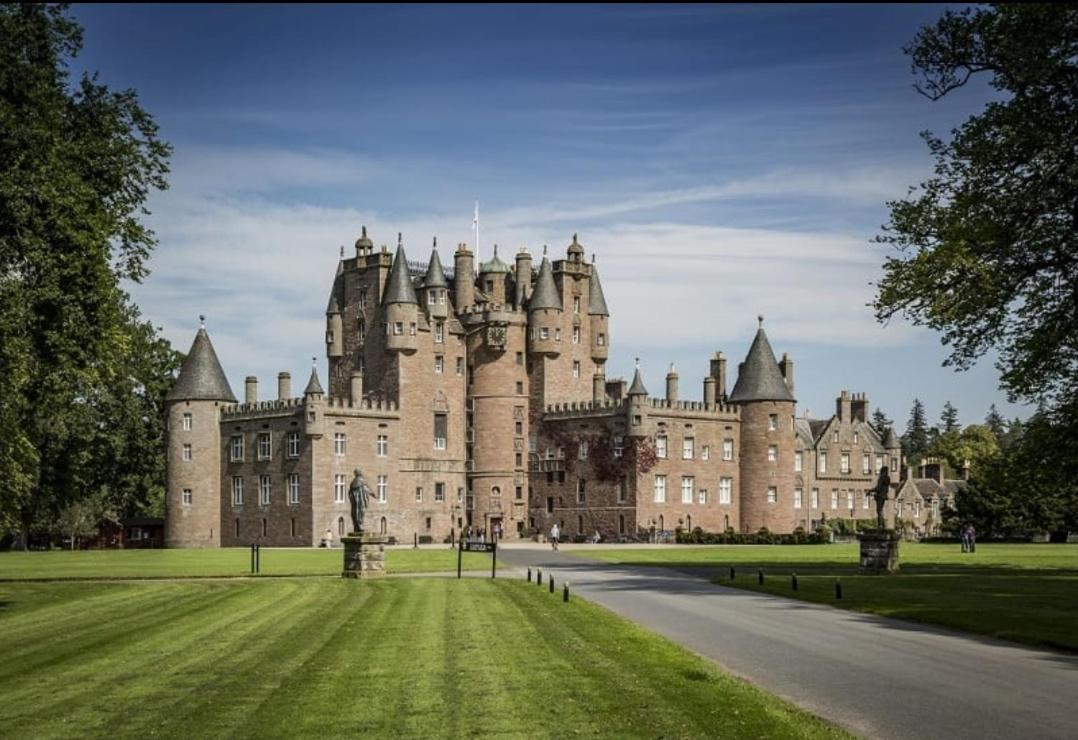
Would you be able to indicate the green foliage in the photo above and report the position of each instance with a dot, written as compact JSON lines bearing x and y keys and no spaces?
{"x":948,"y":419}
{"x":975,"y":445}
{"x":880,"y":422}
{"x":915,"y":440}
{"x":996,"y":423}
{"x":77,"y":163}
{"x":764,"y":537}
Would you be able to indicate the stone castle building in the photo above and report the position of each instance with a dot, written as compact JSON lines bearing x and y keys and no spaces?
{"x":480,"y":398}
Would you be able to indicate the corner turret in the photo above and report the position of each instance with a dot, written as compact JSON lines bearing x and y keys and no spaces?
{"x":544,"y":314}
{"x":435,"y":286}
{"x":401,"y":306}
{"x":599,"y":316}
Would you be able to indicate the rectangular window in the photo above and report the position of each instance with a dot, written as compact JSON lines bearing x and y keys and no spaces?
{"x":688,"y":448}
{"x":582,"y":453}
{"x":339,"y":444}
{"x":438,"y":335}
{"x":411,"y":329}
{"x":772,"y":495}
{"x":701,"y":497}
{"x":705,"y":453}
{"x":834,"y":437}
{"x":576,"y":335}
{"x":580,"y":488}
{"x":544,"y":333}
{"x":576,"y":368}
{"x":441,"y":430}
{"x":797,"y":462}
{"x":844,"y":462}
{"x":879,"y":463}
{"x":439,"y":364}
{"x":293,"y":488}
{"x":382,"y":447}
{"x":187,"y":452}
{"x":237,"y":448}
{"x":518,"y":428}
{"x":866,"y":464}
{"x":797,"y":498}
{"x":383,"y":489}
{"x":460,"y":366}
{"x":864,"y":500}
{"x":398,"y":328}
{"x":660,"y":447}
{"x":293,"y":444}
{"x":856,"y":437}
{"x":660,"y":489}
{"x":728,"y":449}
{"x":686,"y":489}
{"x":439,"y":492}
{"x":187,"y":497}
{"x":264,"y":490}
{"x":339,"y":488}
{"x":772,"y":422}
{"x":623,"y":489}
{"x":772,"y":453}
{"x":576,"y":304}
{"x":619,"y":445}
{"x":237,"y":491}
{"x":264,"y":446}
{"x":520,"y":387}
{"x":419,"y":494}
{"x":834,"y":498}
{"x":557,"y":335}
{"x":726,"y":488}
{"x":823,"y":462}
{"x":849,"y":500}
{"x":814,"y":501}
{"x":602,"y":340}
{"x":361,"y":331}
{"x":186,"y":422}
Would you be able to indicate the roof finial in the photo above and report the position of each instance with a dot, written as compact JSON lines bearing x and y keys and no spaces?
{"x":593,"y":258}
{"x":495,"y":251}
{"x":202,"y":321}
{"x":314,"y":362}
{"x":760,"y":318}
{"x":400,"y":239}
{"x":364,"y":232}
{"x":672,"y":368}
{"x":637,"y":363}
{"x":574,"y":238}
{"x":544,"y":250}
{"x":342,"y":251}
{"x":435,"y":242}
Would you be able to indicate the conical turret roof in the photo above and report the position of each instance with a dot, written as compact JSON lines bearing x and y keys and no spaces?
{"x":637,"y":388}
{"x":545,"y":294}
{"x":890,"y":440}
{"x":435,"y":277}
{"x":313,"y":386}
{"x":759,"y":378}
{"x":399,"y":287}
{"x":201,"y":377}
{"x":596,"y":299}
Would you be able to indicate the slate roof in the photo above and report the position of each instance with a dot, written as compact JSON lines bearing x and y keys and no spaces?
{"x":818,"y":427}
{"x":890,"y":440}
{"x":201,"y":377}
{"x":545,"y":294}
{"x":759,"y":378}
{"x":313,"y":386}
{"x":927,"y":486}
{"x":596,"y":299}
{"x":494,"y":265}
{"x":803,"y":430}
{"x":399,"y":287}
{"x":435,"y":277}
{"x":637,"y":388}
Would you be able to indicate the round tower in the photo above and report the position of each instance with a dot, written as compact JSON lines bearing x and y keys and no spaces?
{"x":193,"y":477}
{"x":544,"y":314}
{"x":598,"y":317}
{"x":463,"y":278}
{"x":637,"y":408}
{"x":436,"y":287}
{"x":401,"y":306}
{"x":494,"y":278}
{"x":523,"y":278}
{"x":766,"y":462}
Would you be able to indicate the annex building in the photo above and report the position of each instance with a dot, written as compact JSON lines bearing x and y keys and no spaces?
{"x":480,"y":397}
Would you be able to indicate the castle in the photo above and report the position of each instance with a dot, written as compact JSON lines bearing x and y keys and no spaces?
{"x":480,"y":398}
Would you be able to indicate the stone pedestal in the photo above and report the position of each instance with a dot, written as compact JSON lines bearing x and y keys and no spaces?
{"x":364,"y":555}
{"x":879,"y":551}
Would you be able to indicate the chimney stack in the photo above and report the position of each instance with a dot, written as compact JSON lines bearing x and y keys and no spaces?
{"x":251,"y":389}
{"x":284,"y":386}
{"x":709,"y":392}
{"x":718,"y":372}
{"x":357,"y":387}
{"x":671,"y":385}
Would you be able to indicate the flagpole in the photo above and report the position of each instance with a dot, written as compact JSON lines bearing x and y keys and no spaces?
{"x":476,"y":222}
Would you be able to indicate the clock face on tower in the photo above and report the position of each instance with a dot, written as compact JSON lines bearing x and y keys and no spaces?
{"x":496,"y":336}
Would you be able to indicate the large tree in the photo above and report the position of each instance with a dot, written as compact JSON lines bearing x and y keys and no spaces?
{"x":77,"y":163}
{"x":988,"y":245}
{"x":915,"y":441}
{"x":948,"y":419}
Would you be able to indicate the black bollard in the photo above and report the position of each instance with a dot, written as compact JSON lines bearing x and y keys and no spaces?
{"x":565,"y":593}
{"x":415,"y":540}
{"x":551,"y":583}
{"x":258,"y":558}
{"x":793,"y":581}
{"x":529,"y":575}
{"x":731,"y":572}
{"x":838,"y":589}
{"x":538,"y":577}
{"x":252,"y":557}
{"x":760,"y":576}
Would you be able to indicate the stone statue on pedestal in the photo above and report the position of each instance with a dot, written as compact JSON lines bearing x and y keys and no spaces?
{"x":883,"y":487}
{"x":360,"y":495}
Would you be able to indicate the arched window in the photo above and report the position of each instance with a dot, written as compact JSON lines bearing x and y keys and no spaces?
{"x":382,"y":526}
{"x":340,"y":526}
{"x":495,"y":491}
{"x":688,"y":520}
{"x":662,"y":523}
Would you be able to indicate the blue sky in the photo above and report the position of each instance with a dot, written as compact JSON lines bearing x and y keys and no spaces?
{"x":720,"y":161}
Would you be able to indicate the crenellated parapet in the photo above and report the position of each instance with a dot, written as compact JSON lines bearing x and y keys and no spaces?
{"x":290,"y":406}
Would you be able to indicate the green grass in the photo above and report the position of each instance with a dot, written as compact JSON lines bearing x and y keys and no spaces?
{"x":1022,"y":592}
{"x":218,"y":562}
{"x":333,"y":658}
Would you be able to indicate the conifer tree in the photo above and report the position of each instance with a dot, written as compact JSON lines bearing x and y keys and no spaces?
{"x":915,"y":441}
{"x":948,"y":419}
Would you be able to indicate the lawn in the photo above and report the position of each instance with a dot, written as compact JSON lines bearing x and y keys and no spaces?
{"x":234,"y":561}
{"x":329,"y":657}
{"x":1022,"y":592}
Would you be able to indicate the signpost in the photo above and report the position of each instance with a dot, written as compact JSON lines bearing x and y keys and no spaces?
{"x":474,"y":546}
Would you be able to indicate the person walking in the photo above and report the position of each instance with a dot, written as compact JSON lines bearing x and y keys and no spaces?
{"x":554,"y":534}
{"x":972,"y":538}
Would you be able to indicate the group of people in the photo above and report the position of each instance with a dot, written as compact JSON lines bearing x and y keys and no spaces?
{"x":555,"y":536}
{"x":969,"y":538}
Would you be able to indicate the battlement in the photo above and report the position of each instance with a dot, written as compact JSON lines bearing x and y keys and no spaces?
{"x":290,"y":406}
{"x":479,"y":309}
{"x":696,"y":408}
{"x":582,"y":408}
